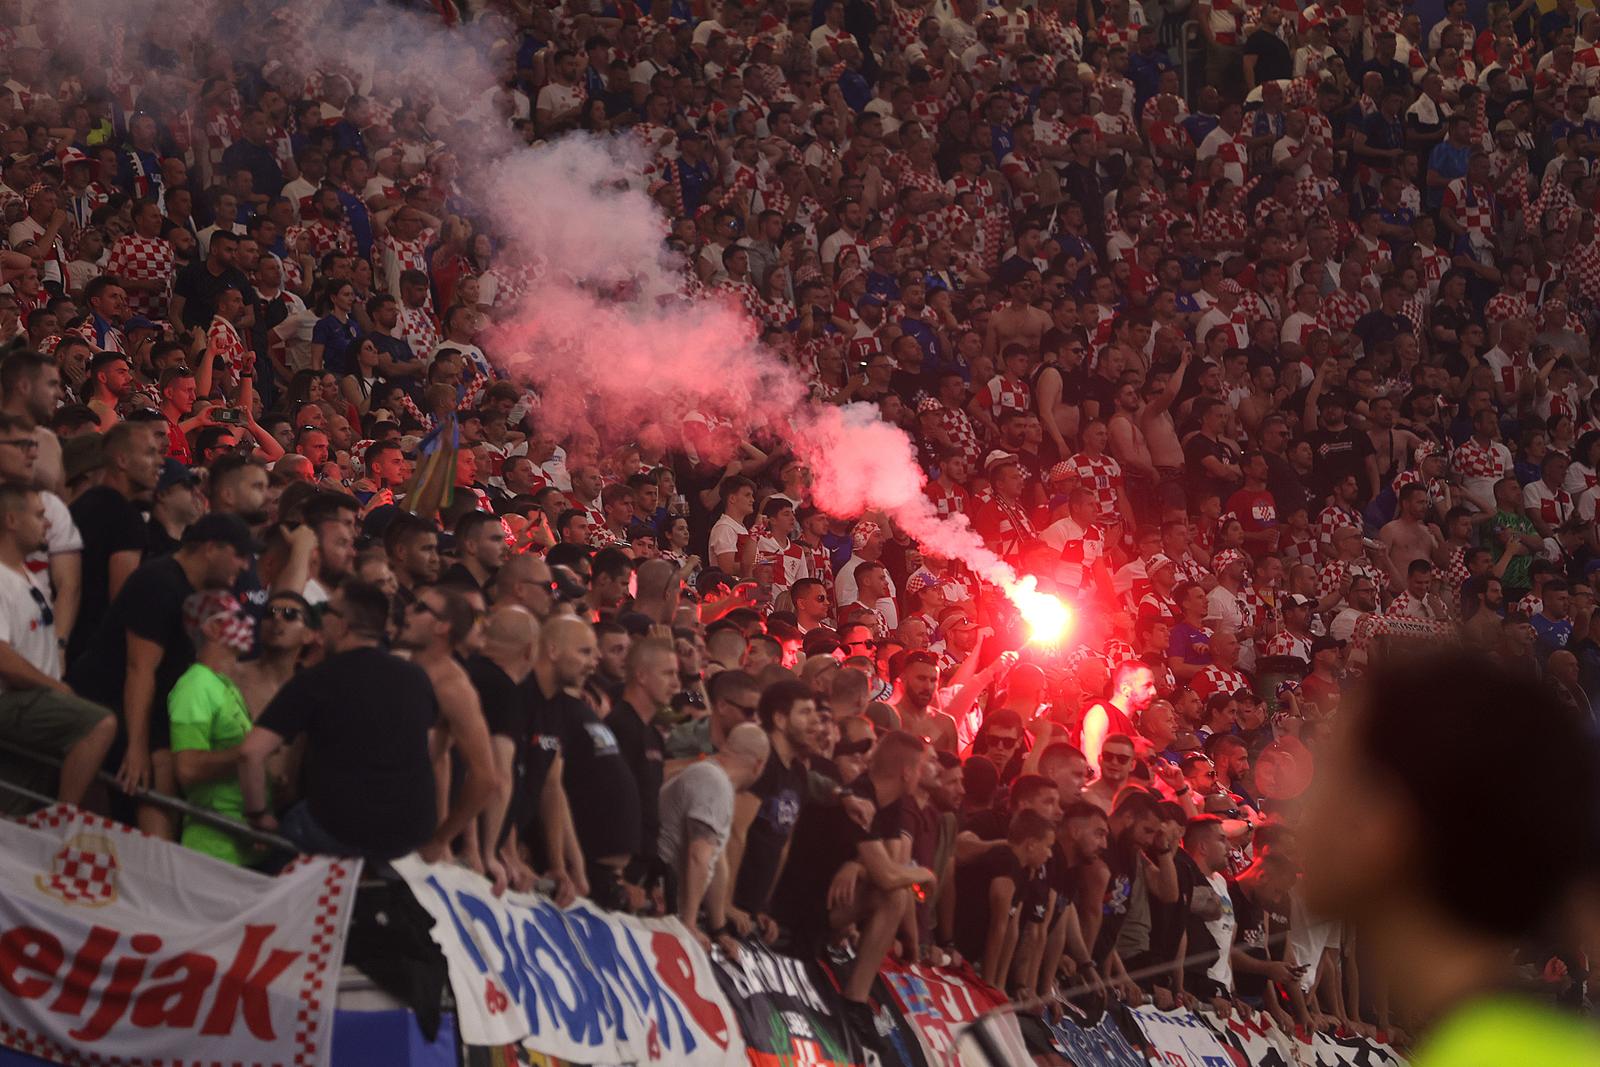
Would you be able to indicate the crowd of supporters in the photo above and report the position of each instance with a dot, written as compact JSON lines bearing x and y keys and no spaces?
{"x":1258,"y":333}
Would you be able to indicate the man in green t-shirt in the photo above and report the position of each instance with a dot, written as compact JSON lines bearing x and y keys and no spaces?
{"x":1444,"y":882}
{"x":209,"y":720}
{"x":1509,"y":522}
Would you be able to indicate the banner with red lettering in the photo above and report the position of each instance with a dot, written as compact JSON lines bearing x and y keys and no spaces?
{"x":117,"y":948}
{"x":581,"y":984}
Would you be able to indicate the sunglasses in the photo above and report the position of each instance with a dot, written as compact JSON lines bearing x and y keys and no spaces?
{"x":999,"y":741}
{"x":747,"y":710}
{"x":1115,"y":757}
{"x":287,"y":614}
{"x":47,"y":615}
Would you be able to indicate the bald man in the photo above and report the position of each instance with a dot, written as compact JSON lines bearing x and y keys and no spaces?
{"x":696,"y":819}
{"x":601,"y":791}
{"x":528,"y":766}
{"x":656,"y":590}
{"x":524,"y":581}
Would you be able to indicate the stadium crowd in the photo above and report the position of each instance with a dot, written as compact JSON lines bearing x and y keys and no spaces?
{"x":1259,"y":333}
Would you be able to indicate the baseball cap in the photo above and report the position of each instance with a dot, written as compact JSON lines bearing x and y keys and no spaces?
{"x":174,"y":472}
{"x":922,"y":578}
{"x":1295,"y":600}
{"x":870,"y":300}
{"x":1156,"y":562}
{"x":139,"y":322}
{"x":998,"y":458}
{"x":221,"y":528}
{"x":1505,"y":126}
{"x":1324,"y":643}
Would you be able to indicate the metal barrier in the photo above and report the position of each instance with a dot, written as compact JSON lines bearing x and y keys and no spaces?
{"x":149,"y":796}
{"x":1190,"y":31}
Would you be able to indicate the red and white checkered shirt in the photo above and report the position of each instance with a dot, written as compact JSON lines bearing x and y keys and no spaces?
{"x":819,"y":565}
{"x":1284,"y":643}
{"x":419,"y":329}
{"x":391,"y":256}
{"x":145,"y":259}
{"x":1102,"y":476}
{"x":1473,"y":207}
{"x":1313,"y":193}
{"x":324,"y":237}
{"x":1006,"y":394}
{"x":1298,"y":548}
{"x":1341,"y":310}
{"x":1473,"y":460}
{"x":1215,"y":679}
{"x":947,"y":502}
{"x":230,"y":350}
{"x":1154,"y":605}
{"x":1503,"y":306}
{"x":1336,"y":575}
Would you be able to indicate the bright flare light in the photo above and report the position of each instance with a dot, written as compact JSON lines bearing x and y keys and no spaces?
{"x":1049,"y":619}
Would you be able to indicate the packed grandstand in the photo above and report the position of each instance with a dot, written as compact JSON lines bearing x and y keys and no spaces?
{"x":893,"y":511}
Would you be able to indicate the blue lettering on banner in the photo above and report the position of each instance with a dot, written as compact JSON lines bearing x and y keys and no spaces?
{"x":574,"y":970}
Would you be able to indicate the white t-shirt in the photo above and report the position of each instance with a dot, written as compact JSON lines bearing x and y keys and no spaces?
{"x":725,"y":534}
{"x":24,"y":602}
{"x":845,"y":592}
{"x":62,"y":537}
{"x":295,"y":333}
{"x":1222,"y":930}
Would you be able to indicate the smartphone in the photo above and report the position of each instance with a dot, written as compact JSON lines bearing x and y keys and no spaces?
{"x":230,"y":416}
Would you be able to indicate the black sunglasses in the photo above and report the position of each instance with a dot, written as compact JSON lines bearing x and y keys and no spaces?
{"x":47,"y":615}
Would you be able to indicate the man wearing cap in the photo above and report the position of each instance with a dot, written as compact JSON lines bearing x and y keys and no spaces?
{"x":37,"y":710}
{"x":141,"y":648}
{"x":866,"y":546}
{"x":108,"y":515}
{"x":1003,"y":522}
{"x":1295,"y":638}
{"x":177,"y":502}
{"x":1161,"y":574}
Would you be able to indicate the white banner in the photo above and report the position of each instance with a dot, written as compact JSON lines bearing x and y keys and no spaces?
{"x":119,"y":948}
{"x":1181,"y":1039}
{"x":582,"y":984}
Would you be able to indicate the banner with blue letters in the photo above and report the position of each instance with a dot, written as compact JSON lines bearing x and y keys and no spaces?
{"x":580,"y":984}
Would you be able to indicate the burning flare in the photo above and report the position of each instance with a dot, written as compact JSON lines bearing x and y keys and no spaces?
{"x":1048,"y":617}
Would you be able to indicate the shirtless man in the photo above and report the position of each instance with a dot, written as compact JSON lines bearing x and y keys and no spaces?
{"x":1018,"y":322}
{"x":1155,"y":419}
{"x":1408,"y":537}
{"x":919,"y":685}
{"x":285,"y":633}
{"x":1059,"y":414}
{"x":1393,"y":444}
{"x":1116,"y":765}
{"x":435,"y":622}
{"x":1128,"y":445}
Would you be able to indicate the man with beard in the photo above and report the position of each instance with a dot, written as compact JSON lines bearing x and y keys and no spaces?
{"x":919,"y":683}
{"x":1081,"y":839}
{"x":285,"y":632}
{"x":332,"y":516}
{"x":1112,"y":887}
{"x":764,"y":816}
{"x":1133,"y":687}
{"x":1116,"y":767}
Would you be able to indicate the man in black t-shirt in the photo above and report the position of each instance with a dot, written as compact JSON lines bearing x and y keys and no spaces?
{"x":141,"y":648}
{"x":988,"y":893}
{"x":841,"y":873}
{"x":1082,"y":836}
{"x":765,"y":815}
{"x":1339,"y":450}
{"x":366,"y":715}
{"x":1211,"y":461}
{"x":1266,"y":57}
{"x":1261,"y":956}
{"x":197,"y":286}
{"x":650,"y":679}
{"x":108,"y":517}
{"x":600,"y":788}
{"x":527,"y":758}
